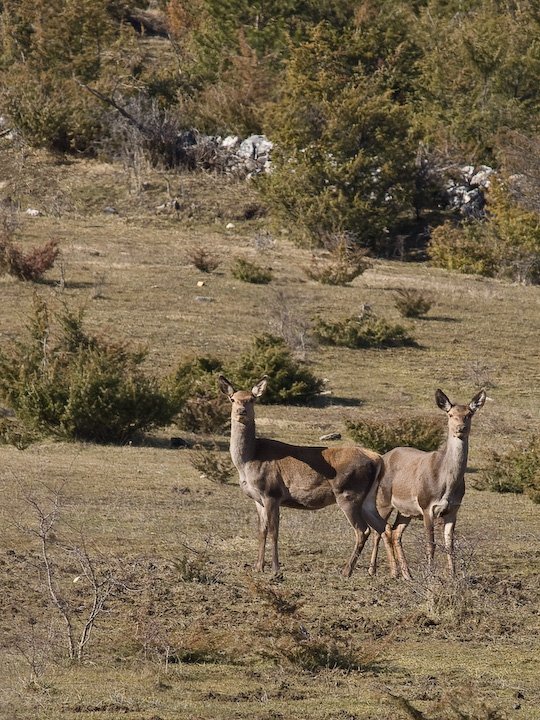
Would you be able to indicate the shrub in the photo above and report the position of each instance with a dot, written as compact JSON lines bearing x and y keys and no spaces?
{"x":412,"y":303}
{"x":343,"y":158}
{"x":250,"y":272}
{"x":202,"y":259}
{"x":202,"y":408}
{"x":506,"y":244}
{"x":422,"y":432}
{"x":65,"y":382}
{"x":289,"y":380}
{"x":362,"y":331}
{"x":517,"y":471}
{"x":27,"y":266}
{"x":347,"y":261}
{"x":213,"y":464}
{"x":463,"y":248}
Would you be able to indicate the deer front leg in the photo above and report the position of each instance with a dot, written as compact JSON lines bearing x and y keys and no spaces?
{"x":430,"y":538}
{"x":272,"y":512}
{"x":263,"y":531}
{"x":449,"y":526}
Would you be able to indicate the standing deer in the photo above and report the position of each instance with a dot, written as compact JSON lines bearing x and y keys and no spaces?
{"x":276,"y":474}
{"x":427,"y":484}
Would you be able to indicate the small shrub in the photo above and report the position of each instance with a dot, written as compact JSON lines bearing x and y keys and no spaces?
{"x":251,"y":272}
{"x":27,"y":266}
{"x":203,"y":260}
{"x":202,"y":408}
{"x":14,"y":432}
{"x":64,"y":382}
{"x":289,"y":380}
{"x":346,"y":262}
{"x":412,"y":303}
{"x":517,"y":471}
{"x":463,"y":248}
{"x":364,"y":331}
{"x":213,"y":464}
{"x":422,"y":432}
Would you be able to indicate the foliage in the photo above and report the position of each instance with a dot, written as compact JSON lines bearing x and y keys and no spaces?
{"x":483,"y":77}
{"x":517,"y":471}
{"x":463,"y":248}
{"x":202,"y":259}
{"x":289,"y":380}
{"x":421,"y":431}
{"x":213,"y":464}
{"x":346,"y":262}
{"x":250,"y":272}
{"x":68,"y":383}
{"x":202,"y":408}
{"x":362,"y":331}
{"x":47,"y":47}
{"x":14,"y":432}
{"x":27,"y":266}
{"x":344,"y":162}
{"x":412,"y":303}
{"x":506,"y":244}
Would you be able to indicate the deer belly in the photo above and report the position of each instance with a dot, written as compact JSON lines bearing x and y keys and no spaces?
{"x":313,"y":498}
{"x":408,"y":507}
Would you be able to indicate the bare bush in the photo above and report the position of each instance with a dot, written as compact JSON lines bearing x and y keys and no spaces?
{"x":30,"y":266}
{"x":202,"y":259}
{"x":78,"y":583}
{"x":288,"y":323}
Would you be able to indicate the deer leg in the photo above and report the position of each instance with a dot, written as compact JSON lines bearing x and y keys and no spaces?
{"x":449,"y":526}
{"x":387,"y":535}
{"x":430,"y":538}
{"x":372,"y":570}
{"x":400,"y":524}
{"x":272,"y":511}
{"x":351,"y":506}
{"x":263,"y":531}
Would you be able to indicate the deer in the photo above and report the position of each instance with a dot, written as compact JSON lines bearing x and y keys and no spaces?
{"x":275,"y":474}
{"x":430,"y":485}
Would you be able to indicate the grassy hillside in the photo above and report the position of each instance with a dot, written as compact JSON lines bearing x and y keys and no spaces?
{"x":189,"y":630}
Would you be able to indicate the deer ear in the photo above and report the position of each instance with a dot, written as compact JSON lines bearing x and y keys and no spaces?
{"x":258,"y":389}
{"x":442,"y":401}
{"x":225,"y":386}
{"x":478,"y":401}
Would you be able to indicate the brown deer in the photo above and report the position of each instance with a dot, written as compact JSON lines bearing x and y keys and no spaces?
{"x":426,"y":484}
{"x":275,"y":474}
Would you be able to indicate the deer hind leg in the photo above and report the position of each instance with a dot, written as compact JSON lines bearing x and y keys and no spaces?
{"x":398,"y":529}
{"x":372,"y":570}
{"x":351,"y":506}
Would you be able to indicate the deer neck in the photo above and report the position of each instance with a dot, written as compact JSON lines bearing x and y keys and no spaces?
{"x":454,"y":460}
{"x":242,"y":442}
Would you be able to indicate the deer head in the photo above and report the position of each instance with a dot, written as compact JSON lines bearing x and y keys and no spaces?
{"x":460,"y":416}
{"x":242,"y":400}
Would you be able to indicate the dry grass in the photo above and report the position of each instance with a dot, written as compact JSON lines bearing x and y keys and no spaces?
{"x":188,"y":637}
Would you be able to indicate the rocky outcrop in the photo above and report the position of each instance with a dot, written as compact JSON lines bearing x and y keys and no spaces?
{"x":465,"y":189}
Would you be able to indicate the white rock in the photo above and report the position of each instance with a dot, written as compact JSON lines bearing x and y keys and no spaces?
{"x":230,"y":142}
{"x":32,"y":212}
{"x":229,"y":226}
